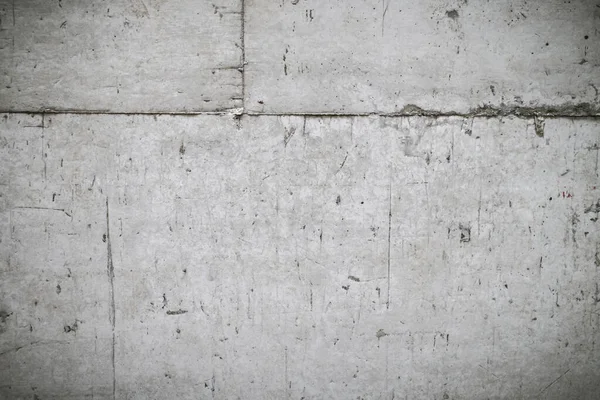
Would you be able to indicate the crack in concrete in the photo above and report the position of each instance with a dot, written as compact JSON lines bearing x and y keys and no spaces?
{"x":566,"y":110}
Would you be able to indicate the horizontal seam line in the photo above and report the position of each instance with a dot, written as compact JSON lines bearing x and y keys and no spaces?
{"x":312,"y":114}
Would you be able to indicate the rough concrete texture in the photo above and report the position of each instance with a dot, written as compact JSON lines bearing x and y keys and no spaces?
{"x":439,"y":240}
{"x":120,"y":56}
{"x":364,"y":56}
{"x":290,"y":257}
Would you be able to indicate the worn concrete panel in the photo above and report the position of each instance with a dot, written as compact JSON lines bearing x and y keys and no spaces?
{"x":310,"y":56}
{"x":274,"y":257}
{"x":55,"y":336}
{"x":120,"y":56}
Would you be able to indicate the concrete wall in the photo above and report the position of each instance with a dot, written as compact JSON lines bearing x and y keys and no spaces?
{"x":299,"y":199}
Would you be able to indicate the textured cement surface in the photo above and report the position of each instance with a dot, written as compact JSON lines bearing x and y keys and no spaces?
{"x":312,"y":56}
{"x":120,"y":56}
{"x":436,"y":238}
{"x":290,"y":257}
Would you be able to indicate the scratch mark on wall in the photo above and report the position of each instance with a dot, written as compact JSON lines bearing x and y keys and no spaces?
{"x":304,"y":126}
{"x":288,"y":135}
{"x":43,"y":208}
{"x":111,"y":278}
{"x":554,"y":381}
{"x":286,"y":373}
{"x":385,"y":7}
{"x":389,"y":249}
{"x":342,"y":164}
{"x":43,"y":156}
{"x":479,"y":206}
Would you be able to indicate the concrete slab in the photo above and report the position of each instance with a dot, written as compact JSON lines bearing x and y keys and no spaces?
{"x":122,"y":56}
{"x":443,"y":56}
{"x":274,"y":257}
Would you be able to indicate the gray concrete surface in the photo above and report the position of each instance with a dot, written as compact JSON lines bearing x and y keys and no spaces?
{"x":289,"y":257}
{"x":389,"y":56}
{"x":120,"y":56}
{"x":437,"y":241}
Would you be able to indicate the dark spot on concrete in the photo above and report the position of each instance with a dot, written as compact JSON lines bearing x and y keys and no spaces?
{"x":58,"y":289}
{"x":338,"y":200}
{"x":104,"y":238}
{"x":380,"y":333}
{"x":176,"y":312}
{"x":353,"y":278}
{"x":594,"y":208}
{"x":596,"y":296}
{"x":453,"y":14}
{"x":4,"y":315}
{"x":72,"y":328}
{"x":346,"y":287}
{"x":539,"y":126}
{"x":465,"y":233}
{"x":493,"y":89}
{"x":182,"y":149}
{"x":586,"y":37}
